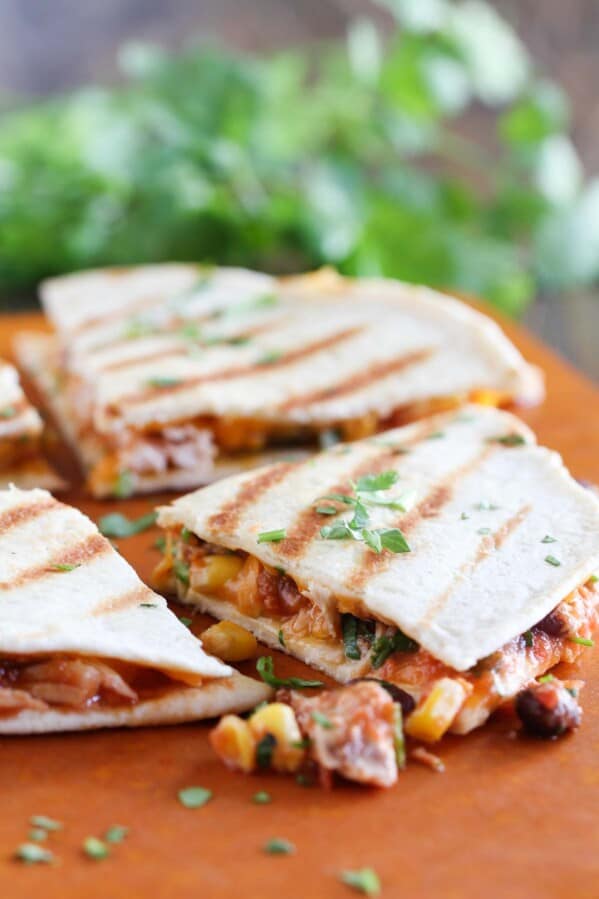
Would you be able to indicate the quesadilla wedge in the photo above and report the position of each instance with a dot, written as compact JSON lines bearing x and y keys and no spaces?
{"x":453,"y":558}
{"x":83,"y":642}
{"x":162,"y":369}
{"x":21,"y":458}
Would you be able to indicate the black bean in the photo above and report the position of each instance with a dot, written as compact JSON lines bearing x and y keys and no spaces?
{"x":548,"y":710}
{"x":405,"y":700}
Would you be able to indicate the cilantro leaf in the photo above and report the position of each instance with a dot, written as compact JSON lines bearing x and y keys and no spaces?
{"x":118,"y":525}
{"x":265,"y":668}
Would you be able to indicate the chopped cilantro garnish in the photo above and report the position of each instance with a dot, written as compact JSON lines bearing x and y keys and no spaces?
{"x":549,"y":539}
{"x":486,"y":506}
{"x":164,"y":381}
{"x":436,"y":435}
{"x":265,"y":668}
{"x":95,"y":848}
{"x":349,"y":627}
{"x":364,"y":880}
{"x":386,"y":645}
{"x":185,"y":535}
{"x":399,"y":741}
{"x":65,"y":566}
{"x":148,"y":605}
{"x":186,"y":621}
{"x":484,"y":531}
{"x":45,"y":823}
{"x":264,"y":750}
{"x":32,"y":854}
{"x":279,"y":846}
{"x":261,"y":798}
{"x":593,"y":579}
{"x":8,"y":412}
{"x":38,"y":835}
{"x":269,"y":358}
{"x":464,"y":516}
{"x":116,"y":833}
{"x":304,"y":780}
{"x":326,"y":510}
{"x":181,"y":571}
{"x":194,"y":797}
{"x":159,"y":543}
{"x":582,"y":641}
{"x":136,"y":328}
{"x":322,"y":720}
{"x":371,"y":483}
{"x":551,"y":560}
{"x":546,"y":679}
{"x":509,"y":440}
{"x":124,"y":485}
{"x":272,"y":536}
{"x":281,"y":637}
{"x":190,"y":331}
{"x":117,"y":525}
{"x":528,"y":638}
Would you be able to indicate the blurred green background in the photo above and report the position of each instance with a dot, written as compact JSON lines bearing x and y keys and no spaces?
{"x":451,"y":143}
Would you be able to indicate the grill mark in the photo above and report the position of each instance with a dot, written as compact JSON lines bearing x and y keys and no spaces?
{"x":138,"y":305}
{"x":87,"y":549}
{"x":489,"y":543}
{"x":239,"y":370}
{"x":118,"y":603}
{"x":179,"y":350}
{"x":440,"y":494}
{"x":20,"y":514}
{"x":230,"y":515}
{"x":358,"y":380}
{"x":308,"y":523}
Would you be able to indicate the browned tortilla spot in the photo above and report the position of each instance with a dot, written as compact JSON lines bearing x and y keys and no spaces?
{"x":229,"y":516}
{"x":77,"y":555}
{"x":488,"y":544}
{"x":237,"y":371}
{"x":359,"y":380}
{"x":132,"y":597}
{"x":20,"y":514}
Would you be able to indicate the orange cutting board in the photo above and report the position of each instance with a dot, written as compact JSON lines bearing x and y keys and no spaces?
{"x":510,"y":816}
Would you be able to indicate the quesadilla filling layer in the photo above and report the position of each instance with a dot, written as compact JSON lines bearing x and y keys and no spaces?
{"x":75,"y":684}
{"x":272,"y":604}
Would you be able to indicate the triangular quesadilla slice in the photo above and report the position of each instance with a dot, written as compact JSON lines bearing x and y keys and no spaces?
{"x":160,"y":370}
{"x":21,"y":457}
{"x":83,"y":642}
{"x":454,"y":558}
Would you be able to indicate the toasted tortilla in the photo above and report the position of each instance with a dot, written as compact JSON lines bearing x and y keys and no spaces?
{"x":480,"y":570}
{"x":66,"y":593}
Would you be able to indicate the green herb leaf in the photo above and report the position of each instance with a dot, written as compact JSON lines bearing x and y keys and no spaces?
{"x":8,"y":412}
{"x":364,"y":880}
{"x":281,"y":637}
{"x":270,"y":358}
{"x":399,"y":741}
{"x":32,"y":854}
{"x":185,"y":535}
{"x":64,"y":566}
{"x":148,"y":605}
{"x":386,"y":645}
{"x":322,"y":720}
{"x":372,"y":539}
{"x":124,"y":485}
{"x":546,"y":679}
{"x":118,"y":525}
{"x":186,"y":621}
{"x":340,"y":531}
{"x":159,"y":543}
{"x":551,"y":560}
{"x":528,"y":638}
{"x":372,"y":483}
{"x":593,"y":579}
{"x":393,"y":540}
{"x":509,"y":440}
{"x":548,"y":539}
{"x":95,"y":848}
{"x":349,"y":627}
{"x":116,"y":833}
{"x":326,"y":510}
{"x":279,"y":846}
{"x":194,"y":797}
{"x":264,"y":751}
{"x":37,"y":835}
{"x":265,"y":668}
{"x":464,"y":516}
{"x":261,"y":798}
{"x":341,"y":498}
{"x":181,"y":571}
{"x":436,"y":435}
{"x":163,"y":382}
{"x":484,"y":531}
{"x":45,"y":823}
{"x":582,"y":641}
{"x":272,"y":536}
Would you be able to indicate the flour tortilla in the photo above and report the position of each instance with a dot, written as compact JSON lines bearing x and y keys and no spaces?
{"x":477,"y":574}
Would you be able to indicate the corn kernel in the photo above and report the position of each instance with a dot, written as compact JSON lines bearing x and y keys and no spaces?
{"x":230,"y":642}
{"x":215,"y":571}
{"x":488,"y":397}
{"x":279,"y":720}
{"x":234,"y":743}
{"x":431,"y":718}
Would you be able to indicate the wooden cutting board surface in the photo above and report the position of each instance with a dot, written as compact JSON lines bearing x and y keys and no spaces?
{"x":510,"y":817}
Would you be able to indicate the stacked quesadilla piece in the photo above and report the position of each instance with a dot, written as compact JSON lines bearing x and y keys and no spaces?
{"x":453,"y":558}
{"x":84,"y":643}
{"x":162,"y":375}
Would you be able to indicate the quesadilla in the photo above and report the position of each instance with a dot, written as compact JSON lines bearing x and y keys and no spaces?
{"x":162,"y":369}
{"x":83,"y":642}
{"x":21,"y":458}
{"x":453,"y":558}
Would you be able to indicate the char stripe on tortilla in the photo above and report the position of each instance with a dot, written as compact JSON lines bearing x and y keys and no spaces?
{"x":499,"y":538}
{"x":83,"y":642}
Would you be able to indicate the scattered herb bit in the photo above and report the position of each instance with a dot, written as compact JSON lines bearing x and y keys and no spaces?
{"x":161,"y":382}
{"x":8,"y":412}
{"x":484,"y":531}
{"x":393,"y":540}
{"x":386,"y":645}
{"x":593,"y":579}
{"x":38,"y":835}
{"x":364,"y":880}
{"x":486,"y":506}
{"x":45,"y":823}
{"x":322,"y":720}
{"x":261,"y":798}
{"x":186,"y":621}
{"x":136,"y":328}
{"x":546,"y":679}
{"x":399,"y":741}
{"x":582,"y":641}
{"x":326,"y":510}
{"x":281,"y":637}
{"x":159,"y":543}
{"x":272,"y":536}
{"x":124,"y":485}
{"x":528,"y":639}
{"x":264,"y":750}
{"x":436,"y":435}
{"x":116,"y":833}
{"x":181,"y":571}
{"x":279,"y":846}
{"x":95,"y":848}
{"x":65,"y":566}
{"x":349,"y":627}
{"x":328,"y":438}
{"x":270,"y":358}
{"x":305,"y":743}
{"x":117,"y":525}
{"x":464,"y":516}
{"x":190,"y":331}
{"x":372,"y":483}
{"x":185,"y":534}
{"x":148,"y":605}
{"x":194,"y":797}
{"x":281,"y":571}
{"x":551,"y":560}
{"x":304,"y":780}
{"x":549,"y":539}
{"x":32,"y":854}
{"x":509,"y":440}
{"x":265,"y":668}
